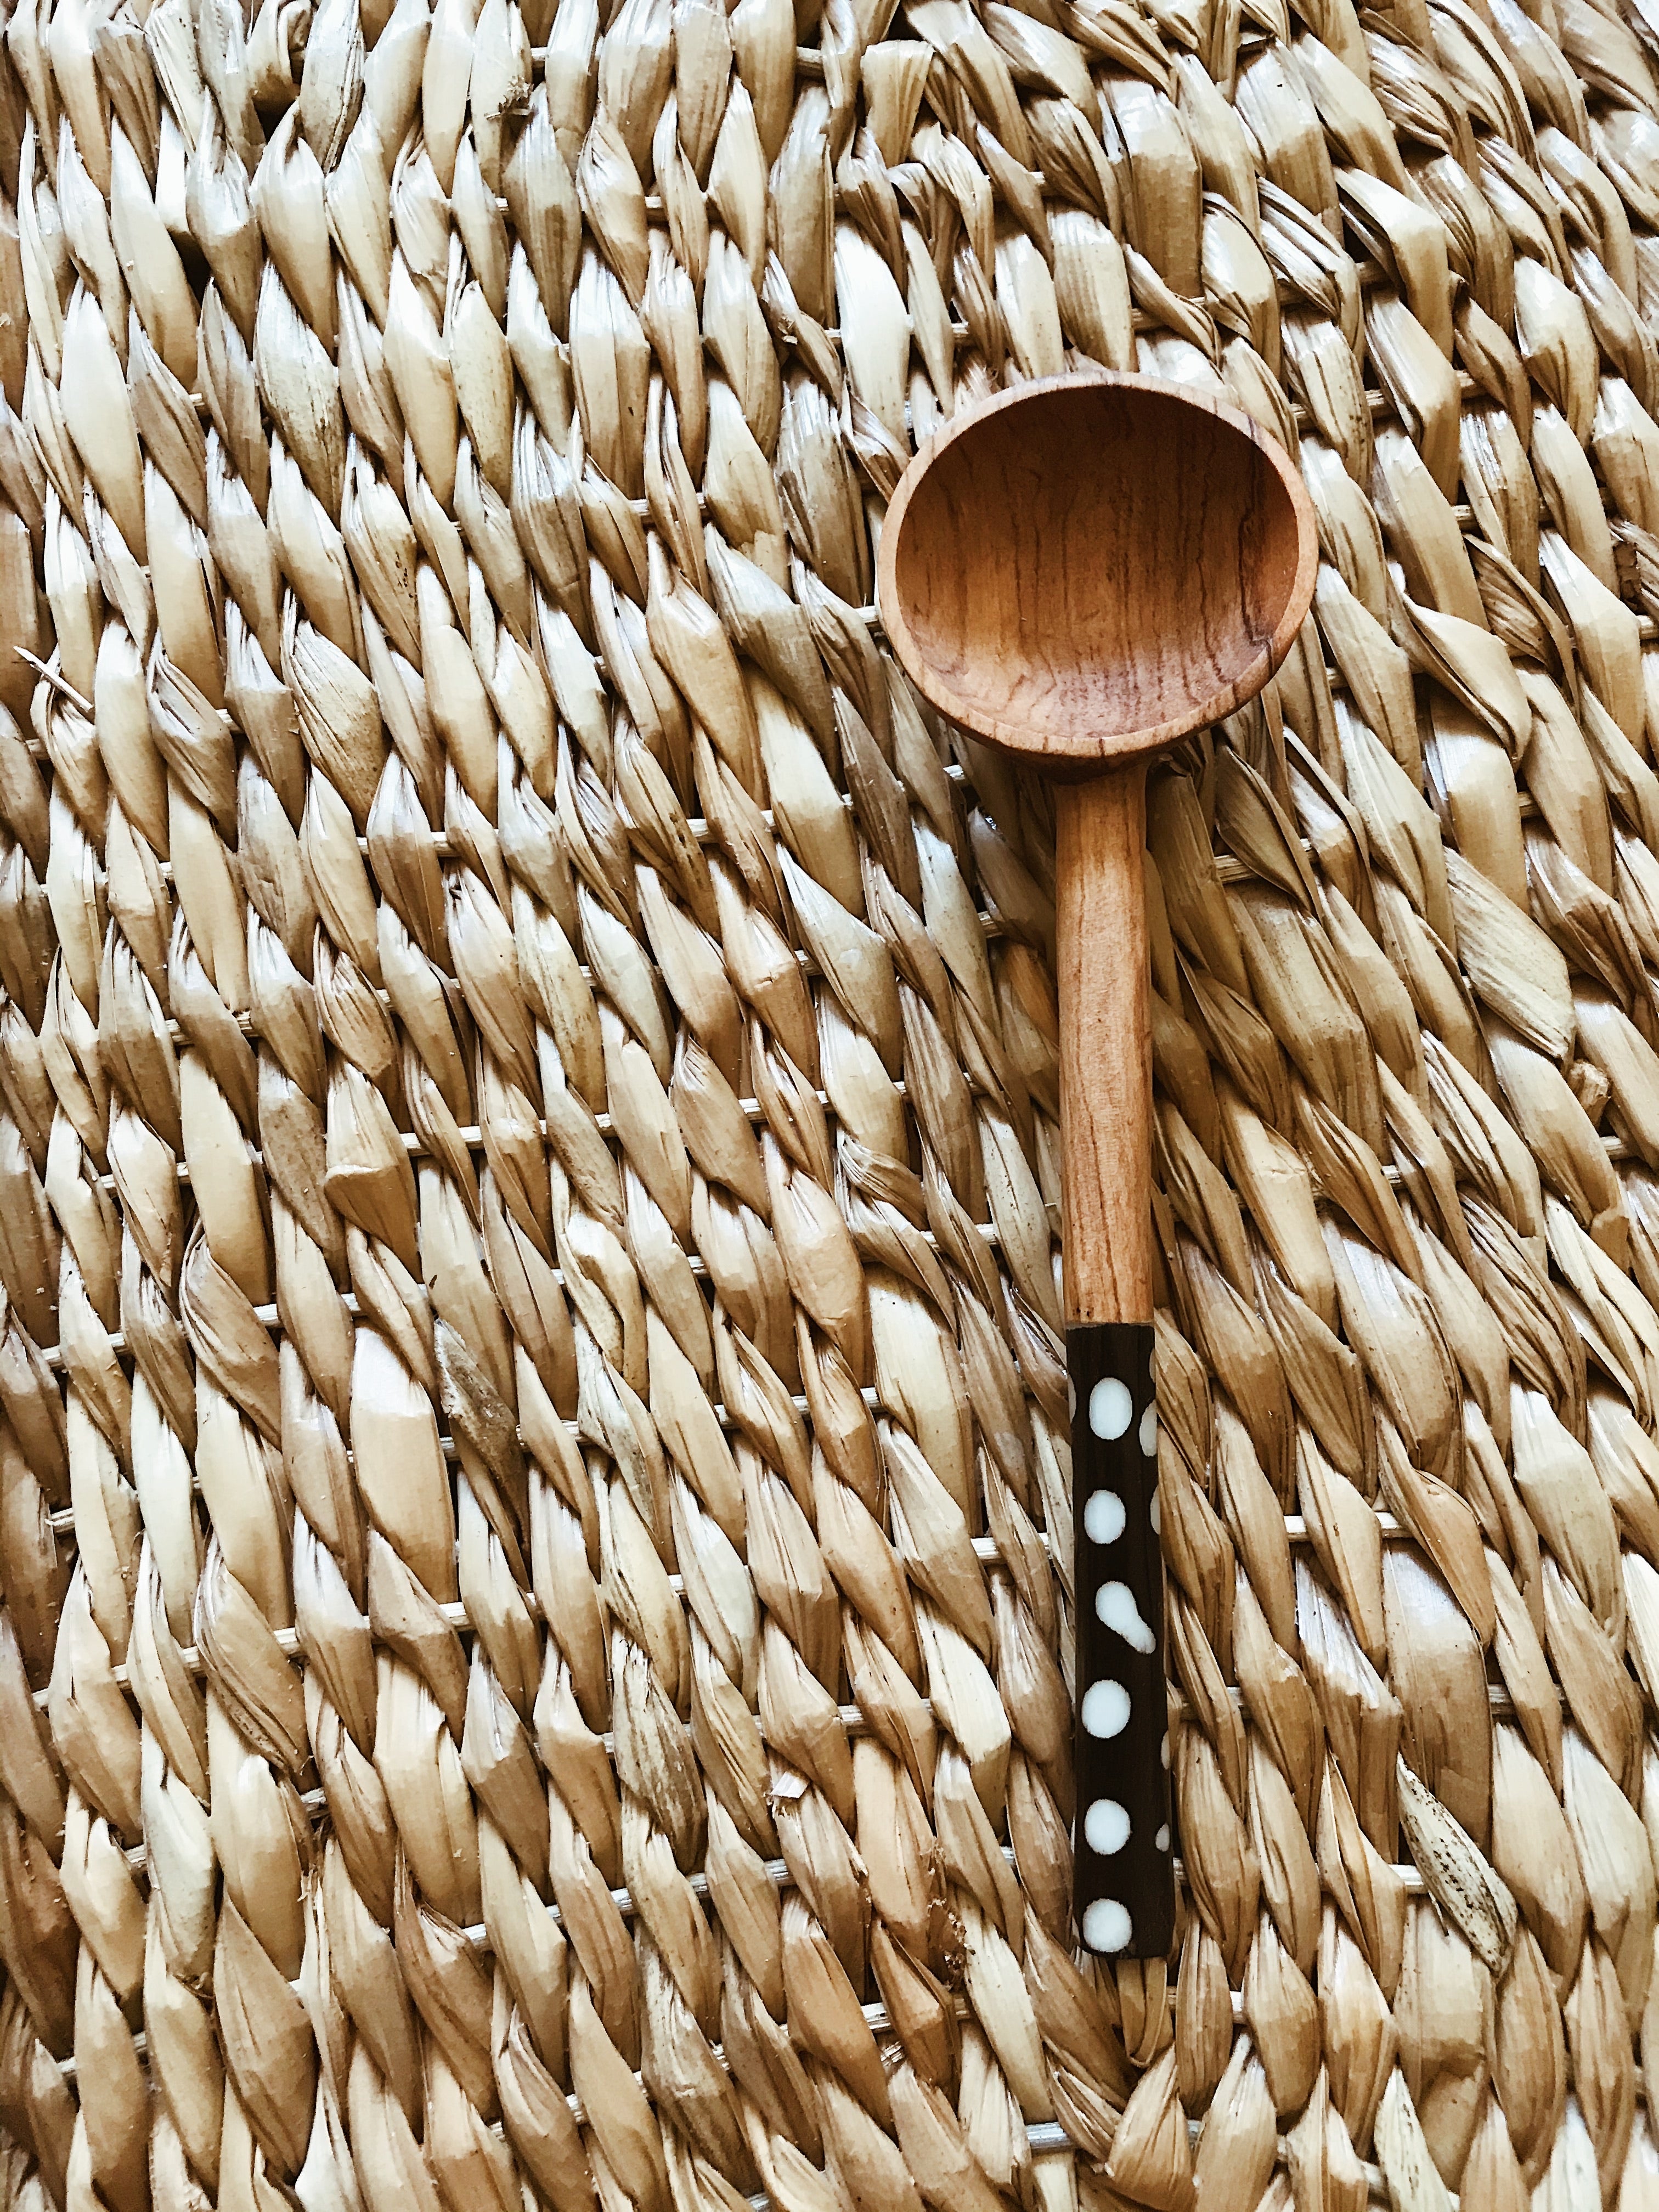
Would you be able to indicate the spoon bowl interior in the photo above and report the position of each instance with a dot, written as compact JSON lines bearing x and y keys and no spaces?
{"x":1088,"y":567}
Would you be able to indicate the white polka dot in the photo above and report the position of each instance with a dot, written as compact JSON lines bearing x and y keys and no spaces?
{"x":1103,"y":1517}
{"x":1148,"y":1431}
{"x":1105,"y":1709}
{"x":1164,"y":1751}
{"x":1106,"y":1826}
{"x":1115,"y":1604}
{"x":1154,"y":1515}
{"x":1106,"y":1925}
{"x":1162,"y":1839}
{"x":1110,"y":1407}
{"x":1071,"y":1398}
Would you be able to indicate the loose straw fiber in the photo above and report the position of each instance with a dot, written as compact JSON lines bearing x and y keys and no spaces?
{"x":534,"y":1494}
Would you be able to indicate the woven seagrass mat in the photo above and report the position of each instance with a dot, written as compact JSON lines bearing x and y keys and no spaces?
{"x":534,"y":1492}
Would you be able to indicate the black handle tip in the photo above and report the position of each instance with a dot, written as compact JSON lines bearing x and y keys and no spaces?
{"x":1124,"y":1883}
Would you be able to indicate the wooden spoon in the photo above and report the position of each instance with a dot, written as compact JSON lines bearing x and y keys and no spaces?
{"x":1082,"y":572}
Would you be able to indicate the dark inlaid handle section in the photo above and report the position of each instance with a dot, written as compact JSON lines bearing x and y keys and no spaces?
{"x":1124,"y":1884}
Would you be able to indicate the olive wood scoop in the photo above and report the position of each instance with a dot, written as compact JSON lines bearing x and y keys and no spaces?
{"x":1081,"y":572}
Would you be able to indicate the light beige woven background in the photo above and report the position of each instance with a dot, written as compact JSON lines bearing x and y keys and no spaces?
{"x":534,"y":1511}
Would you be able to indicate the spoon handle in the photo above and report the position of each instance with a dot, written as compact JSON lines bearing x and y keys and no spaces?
{"x":1124,"y":1885}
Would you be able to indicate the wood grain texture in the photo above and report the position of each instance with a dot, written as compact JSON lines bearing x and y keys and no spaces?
{"x":1105,"y":1050}
{"x":1081,"y":572}
{"x":1086,"y":568}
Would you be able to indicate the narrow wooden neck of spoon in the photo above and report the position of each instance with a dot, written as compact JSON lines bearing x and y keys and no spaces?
{"x":1105,"y":1050}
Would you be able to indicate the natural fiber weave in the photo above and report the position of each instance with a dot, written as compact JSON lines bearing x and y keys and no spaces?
{"x":534,"y":1511}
